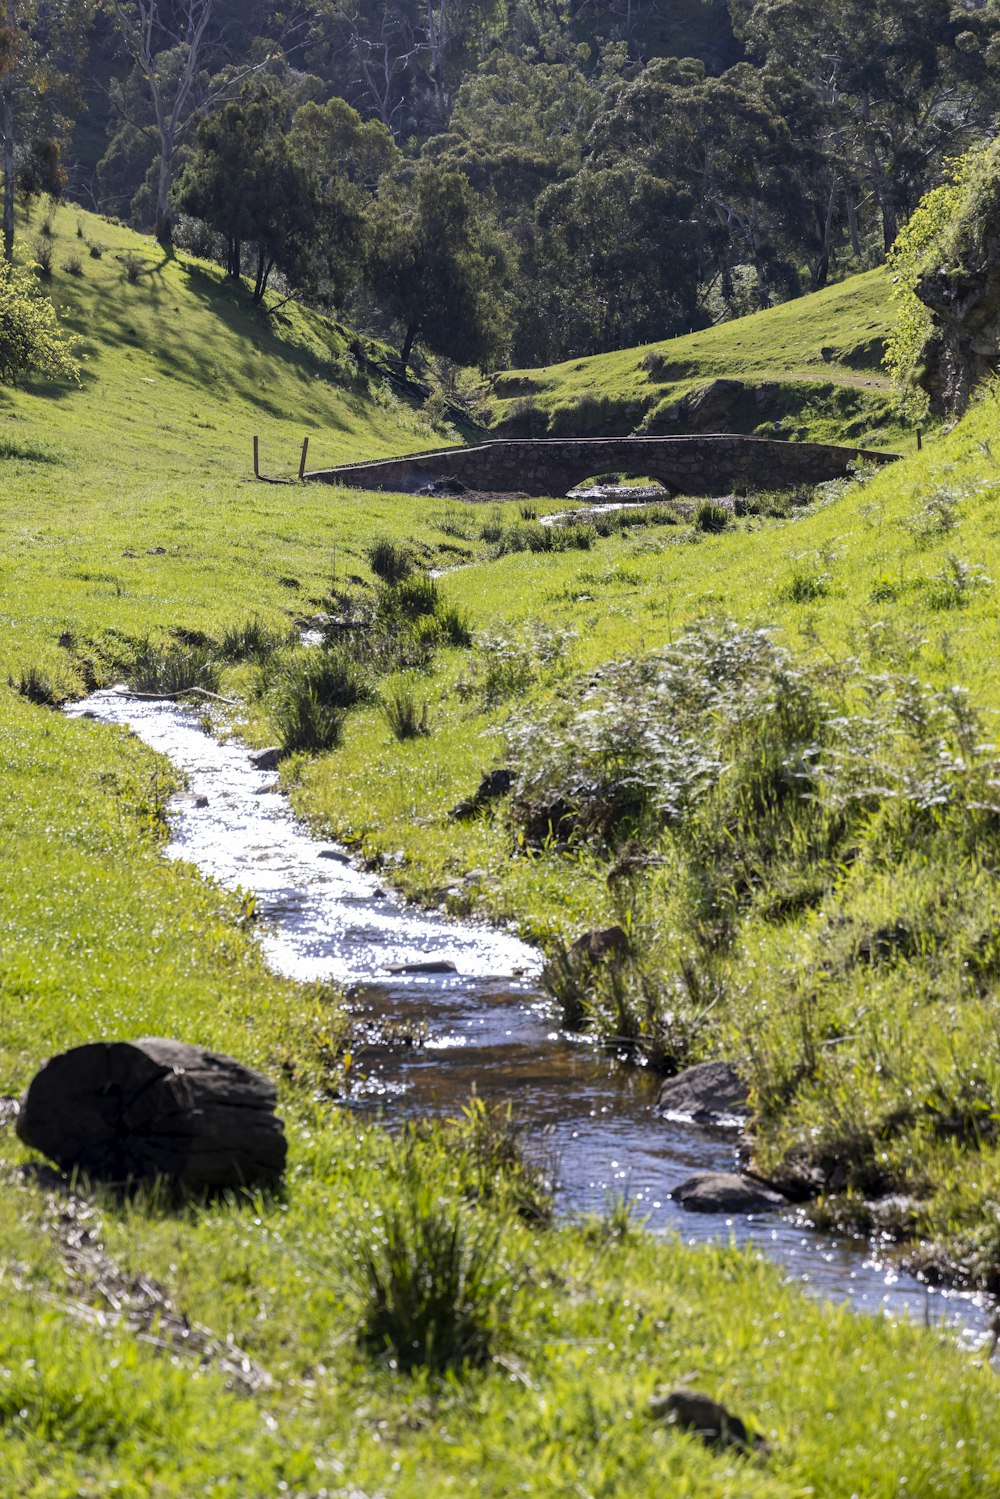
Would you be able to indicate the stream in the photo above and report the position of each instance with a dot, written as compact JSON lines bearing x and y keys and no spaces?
{"x":486,"y":1023}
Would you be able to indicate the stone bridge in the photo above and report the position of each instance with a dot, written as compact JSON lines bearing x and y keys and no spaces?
{"x":702,"y":465}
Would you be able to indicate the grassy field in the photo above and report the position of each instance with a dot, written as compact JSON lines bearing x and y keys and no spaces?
{"x":818,"y":359}
{"x":130,"y":534}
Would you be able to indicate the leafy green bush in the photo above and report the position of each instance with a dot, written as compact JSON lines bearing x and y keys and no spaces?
{"x":31,"y":341}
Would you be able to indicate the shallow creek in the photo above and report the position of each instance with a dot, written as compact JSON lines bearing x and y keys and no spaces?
{"x":488,"y":1025}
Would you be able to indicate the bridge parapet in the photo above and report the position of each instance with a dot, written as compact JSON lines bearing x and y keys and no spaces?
{"x":703,"y":465}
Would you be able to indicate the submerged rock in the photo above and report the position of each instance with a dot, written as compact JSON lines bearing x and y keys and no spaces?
{"x":711,"y":1093}
{"x":726,"y":1192}
{"x":428,"y":965}
{"x":131,"y":1111}
{"x":266,"y":759}
{"x":185,"y":800}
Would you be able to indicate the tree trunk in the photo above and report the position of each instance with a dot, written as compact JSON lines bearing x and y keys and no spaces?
{"x":852,"y":225}
{"x":164,"y":218}
{"x":8,"y":148}
{"x":407,"y":349}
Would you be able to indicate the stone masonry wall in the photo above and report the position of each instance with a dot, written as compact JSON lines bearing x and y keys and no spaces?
{"x":552,"y":466}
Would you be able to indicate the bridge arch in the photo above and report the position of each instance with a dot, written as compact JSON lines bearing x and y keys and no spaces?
{"x":700,"y":465}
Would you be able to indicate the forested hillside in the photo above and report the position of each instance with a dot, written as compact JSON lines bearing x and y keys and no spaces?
{"x":506,"y":181}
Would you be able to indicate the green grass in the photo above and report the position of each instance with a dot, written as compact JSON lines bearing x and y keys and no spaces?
{"x":822,"y":352}
{"x":128,"y":526}
{"x":887,"y":1065}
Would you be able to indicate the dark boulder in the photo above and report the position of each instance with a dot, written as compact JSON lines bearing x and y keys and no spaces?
{"x":690,"y":1410}
{"x":596,"y":946}
{"x":494,"y":785}
{"x":711,"y":1093}
{"x":726,"y":1192}
{"x":266,"y":759}
{"x":132,"y":1111}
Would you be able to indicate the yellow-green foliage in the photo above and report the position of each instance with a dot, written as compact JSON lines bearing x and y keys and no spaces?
{"x":944,"y":232}
{"x":31,"y":340}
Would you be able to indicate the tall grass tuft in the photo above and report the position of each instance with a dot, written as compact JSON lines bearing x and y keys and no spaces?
{"x":37,"y":686}
{"x":311,"y":695}
{"x":389,"y":561}
{"x":432,"y":1281}
{"x":712,"y":517}
{"x":405,"y":716}
{"x":253,"y":640}
{"x":173,"y":669}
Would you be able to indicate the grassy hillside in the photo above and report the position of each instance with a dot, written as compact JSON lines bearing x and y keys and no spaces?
{"x":149,"y":1350}
{"x":816,"y":363}
{"x":837,"y":928}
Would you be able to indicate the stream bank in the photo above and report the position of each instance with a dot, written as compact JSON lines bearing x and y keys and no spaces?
{"x":489,"y":1027}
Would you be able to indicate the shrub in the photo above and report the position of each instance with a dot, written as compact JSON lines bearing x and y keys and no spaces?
{"x":96,"y":250}
{"x":955,"y":584}
{"x":73,"y":265}
{"x":935,"y":517}
{"x":406,"y":718}
{"x":431,"y":1280}
{"x":31,"y":341}
{"x":712,"y":517}
{"x":133,"y":266}
{"x":42,"y":257}
{"x":389,"y":561}
{"x":505,"y":666}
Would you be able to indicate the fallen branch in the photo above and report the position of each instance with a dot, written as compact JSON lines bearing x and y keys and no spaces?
{"x":169,"y":697}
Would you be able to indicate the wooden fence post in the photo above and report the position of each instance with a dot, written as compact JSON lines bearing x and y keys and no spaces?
{"x":302,"y":460}
{"x":256,"y":458}
{"x":920,"y":440}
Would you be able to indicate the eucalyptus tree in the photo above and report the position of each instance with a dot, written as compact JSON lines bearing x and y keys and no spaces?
{"x":41,"y":42}
{"x":433,"y":269}
{"x":167,"y":41}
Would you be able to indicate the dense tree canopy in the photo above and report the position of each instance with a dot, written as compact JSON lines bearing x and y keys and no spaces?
{"x":635,"y":167}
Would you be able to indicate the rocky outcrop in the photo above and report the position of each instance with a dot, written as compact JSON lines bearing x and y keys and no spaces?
{"x":964,"y":349}
{"x":961,"y":290}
